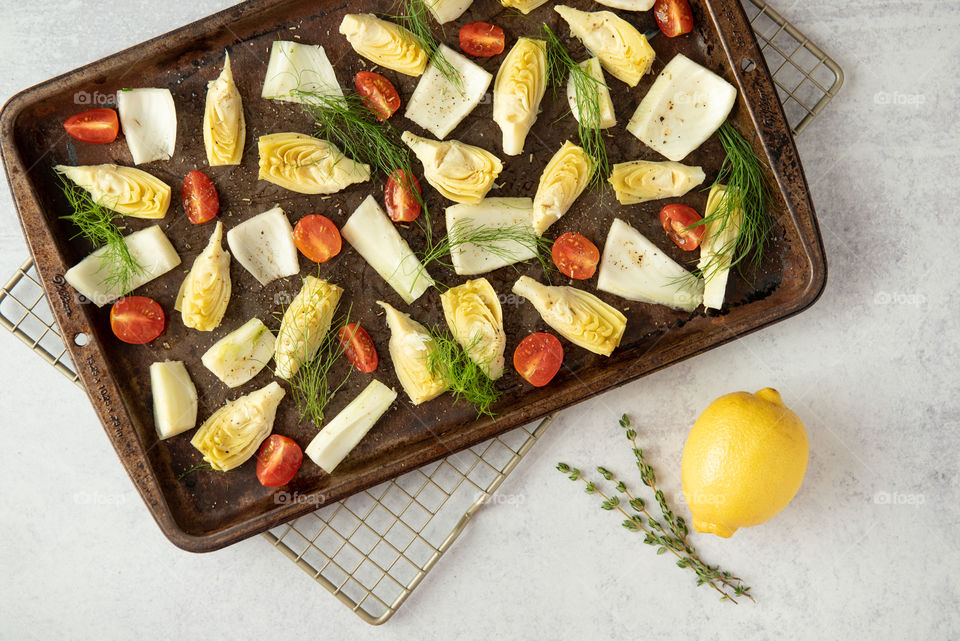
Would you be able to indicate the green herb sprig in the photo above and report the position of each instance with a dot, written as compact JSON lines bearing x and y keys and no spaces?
{"x":311,"y":387}
{"x":467,"y":381}
{"x":496,"y":240}
{"x":670,"y":535}
{"x":97,"y":224}
{"x":415,"y":17}
{"x":348,"y":122}
{"x":747,"y":191}
{"x":560,"y":66}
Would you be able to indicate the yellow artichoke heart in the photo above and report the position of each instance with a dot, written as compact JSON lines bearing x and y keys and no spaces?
{"x":640,"y":181}
{"x":523,"y":6}
{"x":224,"y":128}
{"x":205,"y":292}
{"x":461,"y":172}
{"x":561,"y":183}
{"x":233,"y":433}
{"x":473,"y":313}
{"x":384,"y":43}
{"x":305,"y":324}
{"x":126,"y":190}
{"x":410,"y":345}
{"x":517,"y":92}
{"x":307,"y":165}
{"x":623,"y":51}
{"x":578,"y":316}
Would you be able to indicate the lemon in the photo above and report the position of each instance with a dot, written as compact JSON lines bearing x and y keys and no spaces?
{"x":744,"y":460}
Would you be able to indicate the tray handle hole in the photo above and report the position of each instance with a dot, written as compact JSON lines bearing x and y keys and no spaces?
{"x":747,"y":65}
{"x":81,"y":340}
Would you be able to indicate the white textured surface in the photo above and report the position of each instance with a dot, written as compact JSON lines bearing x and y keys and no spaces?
{"x":872,"y":369}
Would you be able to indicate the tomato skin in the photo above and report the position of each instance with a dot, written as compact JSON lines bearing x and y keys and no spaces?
{"x":378,"y":92}
{"x":402,"y":205}
{"x":538,"y":358}
{"x":96,"y":126}
{"x":278,"y":461}
{"x":137,"y":319}
{"x":200,"y":198}
{"x":359,"y":347}
{"x":575,"y":256}
{"x":674,"y":17}
{"x":482,"y":39}
{"x":317,"y":238}
{"x":677,"y":220}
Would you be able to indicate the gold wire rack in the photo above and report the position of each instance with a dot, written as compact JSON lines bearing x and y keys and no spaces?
{"x":373,"y":549}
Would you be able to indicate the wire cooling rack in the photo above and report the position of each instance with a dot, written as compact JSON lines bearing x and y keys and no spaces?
{"x":373,"y":549}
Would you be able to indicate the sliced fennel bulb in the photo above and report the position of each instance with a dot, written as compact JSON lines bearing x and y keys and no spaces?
{"x":149,"y":120}
{"x":439,"y":105}
{"x":264,"y":246}
{"x":374,"y":236}
{"x":296,"y":69}
{"x":174,"y":398}
{"x":341,"y":435}
{"x":242,"y":354}
{"x":149,"y":247}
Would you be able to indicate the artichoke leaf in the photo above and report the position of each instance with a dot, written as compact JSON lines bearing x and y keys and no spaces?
{"x":578,"y":316}
{"x":410,"y":347}
{"x":563,"y":180}
{"x":126,"y":190}
{"x":224,"y":127}
{"x":307,"y":165}
{"x":517,"y":92}
{"x":233,"y":433}
{"x":205,"y":292}
{"x":305,"y":324}
{"x":384,"y":43}
{"x":473,"y":314}
{"x":623,"y":51}
{"x":640,"y":181}
{"x":461,"y":172}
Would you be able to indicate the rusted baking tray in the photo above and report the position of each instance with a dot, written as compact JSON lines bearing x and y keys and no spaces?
{"x":204,"y":511}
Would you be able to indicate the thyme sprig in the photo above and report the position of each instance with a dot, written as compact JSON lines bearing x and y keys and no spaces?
{"x":97,"y":223}
{"x":415,"y":17}
{"x":747,"y":191}
{"x":670,"y":535}
{"x":560,"y":66}
{"x":467,"y":381}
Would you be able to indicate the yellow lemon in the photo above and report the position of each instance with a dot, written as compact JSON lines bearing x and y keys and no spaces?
{"x":744,"y":460}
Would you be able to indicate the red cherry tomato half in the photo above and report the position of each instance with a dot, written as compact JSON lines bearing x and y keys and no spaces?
{"x":359,"y":347}
{"x":481,"y":39}
{"x":673,"y":17}
{"x":200,"y":197}
{"x":575,"y":256}
{"x":317,"y":238}
{"x":538,"y":358}
{"x":278,"y":461}
{"x":402,"y":205}
{"x":98,"y":126}
{"x":137,"y":319}
{"x":378,"y":92}
{"x":677,"y":221}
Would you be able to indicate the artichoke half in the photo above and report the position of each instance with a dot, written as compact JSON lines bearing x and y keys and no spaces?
{"x":305,"y":324}
{"x":126,"y":190}
{"x":233,"y":433}
{"x":384,"y":43}
{"x":461,"y":172}
{"x":623,"y":51}
{"x":475,"y":318}
{"x":518,"y":90}
{"x":307,"y":165}
{"x":410,"y":346}
{"x":205,"y":292}
{"x":224,"y":127}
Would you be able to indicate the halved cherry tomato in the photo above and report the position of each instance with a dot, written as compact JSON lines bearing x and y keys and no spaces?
{"x":317,"y":238}
{"x":98,"y":126}
{"x":575,"y":256}
{"x":137,"y":319}
{"x":481,"y":39}
{"x":200,"y":197}
{"x":359,"y":348}
{"x":402,"y":205}
{"x":278,"y":461}
{"x":673,"y":17}
{"x":538,"y":358}
{"x":378,"y":92}
{"x":676,"y":221}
